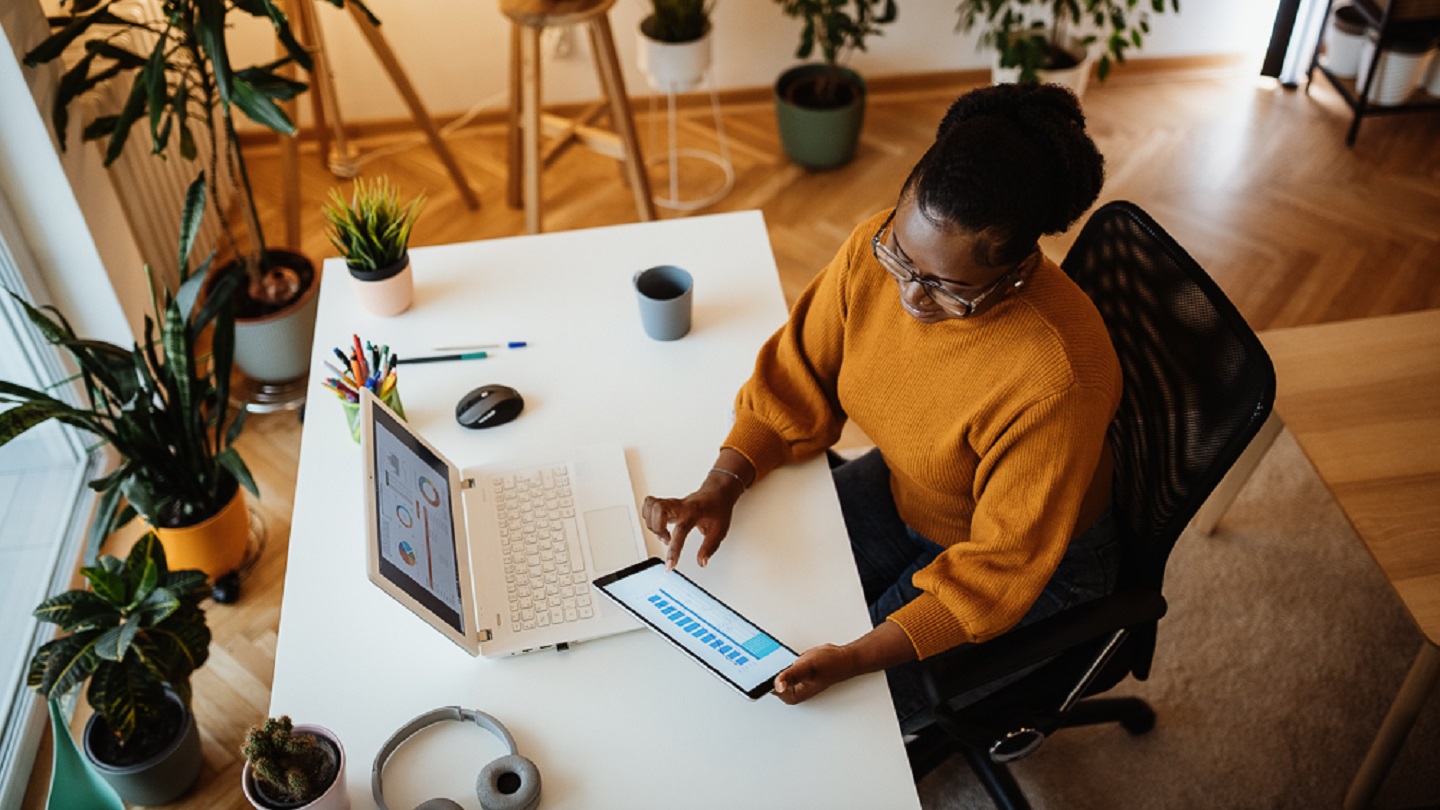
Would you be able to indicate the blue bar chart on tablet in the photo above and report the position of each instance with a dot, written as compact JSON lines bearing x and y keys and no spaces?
{"x":727,"y":640}
{"x":722,"y":639}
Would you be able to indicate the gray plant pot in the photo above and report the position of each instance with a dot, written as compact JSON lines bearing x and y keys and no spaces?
{"x":276,"y":348}
{"x":818,"y":138}
{"x":160,"y":779}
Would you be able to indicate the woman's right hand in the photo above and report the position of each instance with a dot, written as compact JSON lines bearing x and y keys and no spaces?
{"x":707,"y":509}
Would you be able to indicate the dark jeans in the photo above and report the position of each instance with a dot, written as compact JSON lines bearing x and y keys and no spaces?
{"x":888,"y":553}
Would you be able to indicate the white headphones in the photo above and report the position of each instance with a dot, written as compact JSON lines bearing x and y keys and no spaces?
{"x":511,"y":782}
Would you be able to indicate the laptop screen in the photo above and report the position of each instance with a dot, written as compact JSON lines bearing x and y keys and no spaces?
{"x":416,"y":533}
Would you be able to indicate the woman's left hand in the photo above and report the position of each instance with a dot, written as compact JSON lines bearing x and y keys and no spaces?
{"x":820,"y":668}
{"x":816,"y":670}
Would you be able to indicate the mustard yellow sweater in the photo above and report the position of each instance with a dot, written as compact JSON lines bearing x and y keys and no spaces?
{"x":992,"y":426}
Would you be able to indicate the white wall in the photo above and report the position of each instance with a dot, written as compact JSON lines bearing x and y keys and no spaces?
{"x":65,"y":206}
{"x":456,"y":51}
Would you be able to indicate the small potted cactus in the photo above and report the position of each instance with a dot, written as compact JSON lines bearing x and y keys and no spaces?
{"x":289,"y":766}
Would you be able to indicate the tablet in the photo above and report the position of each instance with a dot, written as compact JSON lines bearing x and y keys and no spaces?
{"x":706,"y":629}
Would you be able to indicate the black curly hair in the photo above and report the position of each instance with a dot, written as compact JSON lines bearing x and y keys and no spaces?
{"x":1011,"y":163}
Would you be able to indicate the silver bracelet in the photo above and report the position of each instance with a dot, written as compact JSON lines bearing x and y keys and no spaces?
{"x":732,"y":475}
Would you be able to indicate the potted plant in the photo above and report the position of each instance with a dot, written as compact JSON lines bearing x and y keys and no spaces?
{"x":164,"y":406}
{"x":136,"y":635}
{"x":184,"y":86}
{"x":674,"y":44}
{"x":289,"y":766}
{"x":821,"y":107}
{"x":372,"y":233}
{"x":1038,"y":40}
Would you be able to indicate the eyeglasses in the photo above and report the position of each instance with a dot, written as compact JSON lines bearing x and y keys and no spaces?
{"x":948,"y":300}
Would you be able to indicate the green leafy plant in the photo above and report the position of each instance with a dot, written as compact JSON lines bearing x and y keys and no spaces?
{"x":677,"y":20}
{"x":1032,"y":34}
{"x":164,"y":408}
{"x":137,"y":631}
{"x":837,"y":28}
{"x":293,"y":767}
{"x":372,"y":230}
{"x":184,"y":87}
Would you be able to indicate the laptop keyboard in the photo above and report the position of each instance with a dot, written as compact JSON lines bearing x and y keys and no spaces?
{"x":545,"y":578}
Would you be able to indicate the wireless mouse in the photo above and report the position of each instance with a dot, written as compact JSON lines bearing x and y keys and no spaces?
{"x":488,"y":406}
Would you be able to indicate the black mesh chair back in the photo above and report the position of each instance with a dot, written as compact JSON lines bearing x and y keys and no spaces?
{"x":1198,"y":387}
{"x":1198,"y":384}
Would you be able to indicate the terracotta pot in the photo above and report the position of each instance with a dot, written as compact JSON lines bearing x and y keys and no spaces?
{"x":215,"y":545}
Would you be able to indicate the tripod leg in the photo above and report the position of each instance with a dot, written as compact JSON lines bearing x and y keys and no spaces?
{"x":412,"y":100}
{"x":304,"y":30}
{"x":342,"y":157}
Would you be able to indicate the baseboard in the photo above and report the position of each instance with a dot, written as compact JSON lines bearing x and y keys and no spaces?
{"x":1162,"y":68}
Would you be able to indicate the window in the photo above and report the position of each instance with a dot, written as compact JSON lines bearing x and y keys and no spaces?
{"x":44,"y":509}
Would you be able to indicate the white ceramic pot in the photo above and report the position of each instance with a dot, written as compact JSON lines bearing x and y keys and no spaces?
{"x":1075,"y":78}
{"x":387,"y":291}
{"x":1432,"y":78}
{"x":336,"y":797}
{"x":1344,"y":40}
{"x":1397,"y":74}
{"x":674,"y":67}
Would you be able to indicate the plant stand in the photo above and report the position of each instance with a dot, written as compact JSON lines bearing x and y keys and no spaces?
{"x":672,"y":154}
{"x":267,"y":397}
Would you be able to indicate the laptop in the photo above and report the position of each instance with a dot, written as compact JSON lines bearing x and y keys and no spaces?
{"x":499,"y":559}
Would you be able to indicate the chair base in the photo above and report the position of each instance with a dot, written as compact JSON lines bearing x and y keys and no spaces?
{"x":933,"y":746}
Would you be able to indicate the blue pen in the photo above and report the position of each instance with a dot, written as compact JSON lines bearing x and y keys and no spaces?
{"x":514,"y":344}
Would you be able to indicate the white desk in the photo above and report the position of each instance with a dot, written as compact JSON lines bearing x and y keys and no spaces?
{"x":623,"y":721}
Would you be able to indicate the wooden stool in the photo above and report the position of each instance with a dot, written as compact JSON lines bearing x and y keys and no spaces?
{"x":525,"y":159}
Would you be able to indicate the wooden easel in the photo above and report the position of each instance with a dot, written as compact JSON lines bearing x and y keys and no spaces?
{"x":340,"y":154}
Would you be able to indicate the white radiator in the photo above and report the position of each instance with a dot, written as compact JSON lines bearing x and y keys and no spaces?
{"x":151,"y":188}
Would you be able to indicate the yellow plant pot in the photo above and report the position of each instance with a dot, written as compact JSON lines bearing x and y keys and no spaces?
{"x":215,"y":545}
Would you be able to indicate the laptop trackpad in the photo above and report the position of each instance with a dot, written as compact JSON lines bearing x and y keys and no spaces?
{"x":612,"y":539}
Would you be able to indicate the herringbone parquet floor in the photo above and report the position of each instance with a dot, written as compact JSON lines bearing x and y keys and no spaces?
{"x":1254,"y":181}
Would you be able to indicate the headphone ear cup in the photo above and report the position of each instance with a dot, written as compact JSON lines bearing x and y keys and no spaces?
{"x":511,"y":782}
{"x":440,"y":804}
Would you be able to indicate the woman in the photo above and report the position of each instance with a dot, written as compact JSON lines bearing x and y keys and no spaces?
{"x":984,"y":376}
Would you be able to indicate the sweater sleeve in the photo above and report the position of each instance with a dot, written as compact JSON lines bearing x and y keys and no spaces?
{"x":789,"y":408}
{"x":1028,"y":490}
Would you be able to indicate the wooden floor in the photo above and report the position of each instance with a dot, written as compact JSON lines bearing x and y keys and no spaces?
{"x":1253,"y":180}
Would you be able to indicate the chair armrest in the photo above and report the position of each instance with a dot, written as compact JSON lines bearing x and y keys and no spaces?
{"x":972,"y":665}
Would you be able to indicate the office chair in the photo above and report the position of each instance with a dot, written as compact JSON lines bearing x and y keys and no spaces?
{"x":1198,"y":386}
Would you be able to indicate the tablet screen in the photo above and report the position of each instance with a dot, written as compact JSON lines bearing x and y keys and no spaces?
{"x":728,"y":644}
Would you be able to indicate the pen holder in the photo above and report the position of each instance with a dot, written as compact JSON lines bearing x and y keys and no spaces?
{"x":352,"y":411}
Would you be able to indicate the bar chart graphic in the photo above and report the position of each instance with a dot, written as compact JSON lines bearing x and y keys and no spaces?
{"x":738,"y":644}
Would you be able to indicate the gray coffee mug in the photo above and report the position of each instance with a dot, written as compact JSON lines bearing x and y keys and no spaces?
{"x":665,"y":295}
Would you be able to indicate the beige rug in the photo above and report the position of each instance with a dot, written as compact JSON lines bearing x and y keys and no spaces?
{"x":1280,"y":655}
